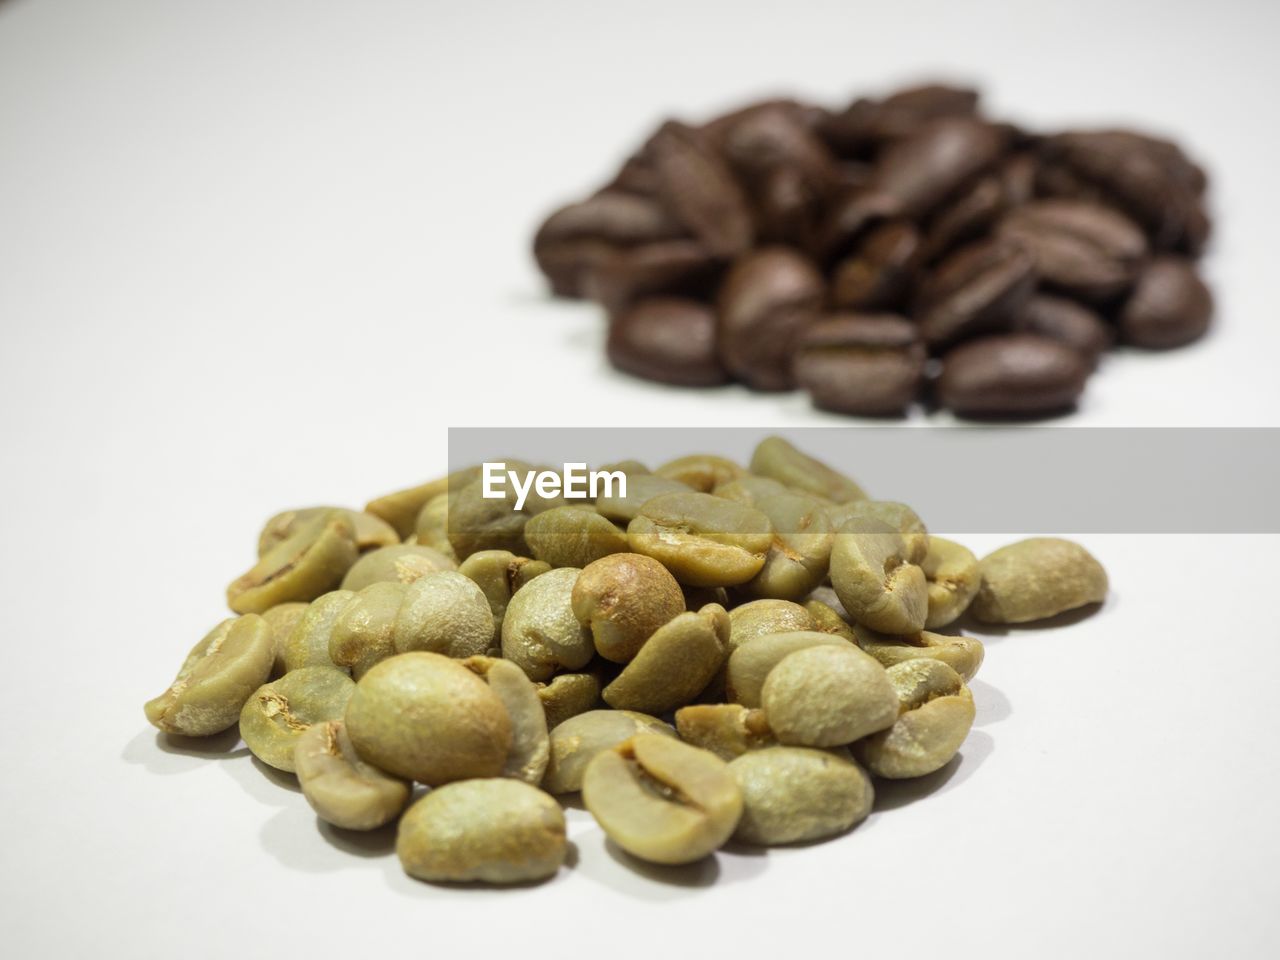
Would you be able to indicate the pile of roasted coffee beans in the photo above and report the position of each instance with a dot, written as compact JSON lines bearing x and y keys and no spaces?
{"x":717,"y":653}
{"x":900,"y":250}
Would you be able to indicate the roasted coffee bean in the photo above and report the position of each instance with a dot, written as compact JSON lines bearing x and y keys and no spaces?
{"x":964,"y":218}
{"x":1066,"y":321}
{"x":767,"y":299}
{"x":867,"y":364}
{"x":1170,"y":305}
{"x":696,"y":184}
{"x":978,"y":289}
{"x":669,"y":268}
{"x":878,"y":273}
{"x":869,"y":123}
{"x":1084,"y":249}
{"x":1016,"y":374}
{"x":667,"y":339}
{"x":925,"y":167}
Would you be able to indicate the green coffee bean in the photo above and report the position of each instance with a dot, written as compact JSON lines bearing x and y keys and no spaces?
{"x":629,"y":467}
{"x":527,"y":760}
{"x":444,"y":612}
{"x":540,"y":634}
{"x":403,"y":563}
{"x":310,"y":562}
{"x":370,"y":531}
{"x":826,"y":696}
{"x":488,"y":831}
{"x":277,"y":714}
{"x":898,"y":516}
{"x":341,"y":788}
{"x":281,"y":619}
{"x":662,"y":800}
{"x":795,"y":794}
{"x":499,"y":574}
{"x":760,"y":618}
{"x":750,"y":663}
{"x":477,"y":522}
{"x":953,"y":580}
{"x":961,"y":654}
{"x":308,"y":642}
{"x":701,"y":471}
{"x":749,"y":489}
{"x":623,"y":599}
{"x":568,"y":695}
{"x":641,"y":488}
{"x":705,"y":541}
{"x":674,"y":665}
{"x":425,"y":717}
{"x":801,"y":549}
{"x":726,"y":729}
{"x":935,"y":714}
{"x":573,"y":536}
{"x":826,"y":619}
{"x":577,"y":741}
{"x":876,"y":583}
{"x":432,"y":526}
{"x":1037,"y":578}
{"x":217,"y":677}
{"x":364,"y":629}
{"x":401,"y":509}
{"x":777,"y":459}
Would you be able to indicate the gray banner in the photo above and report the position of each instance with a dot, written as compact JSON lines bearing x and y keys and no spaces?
{"x":983,"y":479}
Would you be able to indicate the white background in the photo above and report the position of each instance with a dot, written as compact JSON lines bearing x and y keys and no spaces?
{"x":261,"y":254}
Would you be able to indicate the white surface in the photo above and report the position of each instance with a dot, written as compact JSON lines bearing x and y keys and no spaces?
{"x":261,"y":254}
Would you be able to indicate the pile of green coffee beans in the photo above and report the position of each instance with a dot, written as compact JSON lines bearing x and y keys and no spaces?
{"x":724,"y":652}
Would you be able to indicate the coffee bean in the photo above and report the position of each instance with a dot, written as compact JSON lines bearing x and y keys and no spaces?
{"x":978,"y":289}
{"x":923,"y":169}
{"x":697,"y":185}
{"x":671,"y":267}
{"x":867,"y":364}
{"x":1169,"y":307}
{"x":667,"y":339}
{"x":1015,"y":374}
{"x":876,"y":276}
{"x":767,"y":299}
{"x":1082,"y":248}
{"x":970,"y":214}
{"x":1067,"y":322}
{"x":868,"y":123}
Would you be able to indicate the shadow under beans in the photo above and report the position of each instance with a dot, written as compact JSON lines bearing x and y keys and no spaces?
{"x":280,"y":778}
{"x":701,"y":873}
{"x":993,"y":632}
{"x":893,"y":794}
{"x":361,"y":843}
{"x":167,"y":753}
{"x":992,"y":705}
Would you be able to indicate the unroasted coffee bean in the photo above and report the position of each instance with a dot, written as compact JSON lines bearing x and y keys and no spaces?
{"x":364,"y":632}
{"x":897,"y":515}
{"x":674,"y":665}
{"x":662,"y":800}
{"x":310,"y":561}
{"x":280,"y":620}
{"x":216,"y":679}
{"x":432,"y":527}
{"x":540,"y":634}
{"x":369,"y":530}
{"x":624,"y":599}
{"x":696,"y":184}
{"x":499,"y":574}
{"x":1010,"y":375}
{"x":568,"y":695}
{"x":978,"y":289}
{"x":573,"y":536}
{"x":962,"y":654}
{"x":668,"y":339}
{"x":827,"y":695}
{"x":308,"y":642}
{"x":341,"y":788}
{"x":1170,"y":305}
{"x":640,"y":490}
{"x":762,"y":617}
{"x":726,"y":729}
{"x":1067,"y":322}
{"x":701,"y":471}
{"x":1037,"y":578}
{"x":488,"y":831}
{"x":404,"y":563}
{"x":751,"y":662}
{"x":401,"y":509}
{"x":778,"y":459}
{"x":705,"y":541}
{"x":935,"y":713}
{"x":798,"y":557}
{"x":876,"y":276}
{"x":577,"y":741}
{"x":428,"y":718}
{"x":1085,"y":249}
{"x":444,"y":612}
{"x":954,"y":578}
{"x":530,"y":749}
{"x":868,"y":364}
{"x":277,"y":714}
{"x":795,"y":794}
{"x":877,"y":583}
{"x":767,"y":299}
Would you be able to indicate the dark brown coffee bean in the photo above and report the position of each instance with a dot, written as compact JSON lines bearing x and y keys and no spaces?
{"x":667,"y":339}
{"x":967,"y":216}
{"x":1150,"y":179}
{"x":1170,"y":305}
{"x":767,"y":298}
{"x":807,"y":115}
{"x":922,"y":170}
{"x":699,"y":188}
{"x":866,"y":364}
{"x":866,"y":124}
{"x":1016,"y":374}
{"x":675,"y":267}
{"x":978,"y":289}
{"x":581,"y":235}
{"x":851,"y":217}
{"x":1085,"y":249}
{"x":876,"y":276}
{"x":1067,"y":322}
